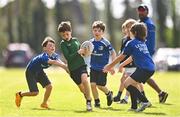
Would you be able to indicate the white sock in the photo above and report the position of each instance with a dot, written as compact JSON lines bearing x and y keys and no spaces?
{"x":126,"y":98}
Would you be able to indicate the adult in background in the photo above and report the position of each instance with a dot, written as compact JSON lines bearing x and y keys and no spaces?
{"x":143,"y":11}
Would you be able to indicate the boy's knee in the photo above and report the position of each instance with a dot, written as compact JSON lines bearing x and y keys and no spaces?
{"x":34,"y":93}
{"x":49,"y":87}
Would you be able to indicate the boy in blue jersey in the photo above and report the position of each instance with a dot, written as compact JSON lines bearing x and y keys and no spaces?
{"x":140,"y":55}
{"x":35,"y":73}
{"x":143,"y":11}
{"x":99,"y":58}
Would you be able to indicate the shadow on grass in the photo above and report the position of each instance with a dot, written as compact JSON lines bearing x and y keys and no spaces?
{"x":49,"y":109}
{"x":154,"y":113}
{"x":109,"y":108}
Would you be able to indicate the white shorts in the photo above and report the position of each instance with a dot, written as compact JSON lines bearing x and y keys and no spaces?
{"x":129,"y":71}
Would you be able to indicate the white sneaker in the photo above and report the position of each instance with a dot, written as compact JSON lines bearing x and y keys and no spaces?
{"x":143,"y":106}
{"x":88,"y":106}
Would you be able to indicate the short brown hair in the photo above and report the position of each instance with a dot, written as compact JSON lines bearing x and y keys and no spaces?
{"x":99,"y":24}
{"x":46,"y":40}
{"x":139,"y":30}
{"x":64,"y":26}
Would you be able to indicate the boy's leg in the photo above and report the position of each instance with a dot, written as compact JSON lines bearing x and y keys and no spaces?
{"x":46,"y":96}
{"x":31,"y":81}
{"x":162,"y":95}
{"x":121,"y":88}
{"x":86,"y":88}
{"x":108,"y":93}
{"x":95,"y":94}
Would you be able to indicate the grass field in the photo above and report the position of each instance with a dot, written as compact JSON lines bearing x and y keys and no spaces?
{"x":67,"y":101}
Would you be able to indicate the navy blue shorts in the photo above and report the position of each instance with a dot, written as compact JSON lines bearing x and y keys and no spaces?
{"x":32,"y":79}
{"x":98,"y":77}
{"x":141,"y":75}
{"x":76,"y":74}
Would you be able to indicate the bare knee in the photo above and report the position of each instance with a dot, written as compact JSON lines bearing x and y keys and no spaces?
{"x":49,"y":87}
{"x":34,"y":93}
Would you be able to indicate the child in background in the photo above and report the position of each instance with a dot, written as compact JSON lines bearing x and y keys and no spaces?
{"x":99,"y":58}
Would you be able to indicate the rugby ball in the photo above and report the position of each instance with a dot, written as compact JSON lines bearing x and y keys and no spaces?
{"x":88,"y":47}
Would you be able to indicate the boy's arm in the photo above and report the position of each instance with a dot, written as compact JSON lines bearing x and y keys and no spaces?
{"x":59,"y":63}
{"x":126,"y":62}
{"x":118,"y":59}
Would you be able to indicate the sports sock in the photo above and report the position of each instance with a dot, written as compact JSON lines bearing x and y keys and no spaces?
{"x":143,"y":93}
{"x":97,"y":101}
{"x":126,"y":98}
{"x":119,"y":94}
{"x":133,"y":96}
{"x":140,"y":96}
{"x":108,"y":93}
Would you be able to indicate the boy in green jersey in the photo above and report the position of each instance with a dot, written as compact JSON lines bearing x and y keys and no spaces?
{"x":70,"y":47}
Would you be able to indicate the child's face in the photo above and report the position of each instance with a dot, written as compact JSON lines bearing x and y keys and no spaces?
{"x":98,"y":33}
{"x":50,"y":48}
{"x":66,"y":35}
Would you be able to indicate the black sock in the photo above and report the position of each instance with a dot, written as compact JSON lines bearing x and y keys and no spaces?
{"x":143,"y":93}
{"x":108,"y":93}
{"x":97,"y":101}
{"x":119,"y":94}
{"x":140,"y":96}
{"x":88,"y":101}
{"x":133,"y":96}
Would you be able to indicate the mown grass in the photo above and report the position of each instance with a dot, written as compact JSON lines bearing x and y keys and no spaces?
{"x":67,"y":101}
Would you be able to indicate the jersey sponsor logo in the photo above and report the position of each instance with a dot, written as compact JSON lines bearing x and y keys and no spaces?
{"x":142,"y":48}
{"x":100,"y":48}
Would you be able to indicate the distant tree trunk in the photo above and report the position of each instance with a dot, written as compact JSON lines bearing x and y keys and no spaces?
{"x":110,"y":23}
{"x":39,"y":25}
{"x":58,"y":12}
{"x":176,"y":30}
{"x":9,"y":22}
{"x":162,"y":14}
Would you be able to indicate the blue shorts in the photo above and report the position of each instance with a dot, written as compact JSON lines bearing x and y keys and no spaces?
{"x":141,"y":75}
{"x":32,"y":79}
{"x":98,"y":77}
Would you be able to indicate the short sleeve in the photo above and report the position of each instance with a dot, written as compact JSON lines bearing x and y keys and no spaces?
{"x":128,"y":49}
{"x":45,"y":58}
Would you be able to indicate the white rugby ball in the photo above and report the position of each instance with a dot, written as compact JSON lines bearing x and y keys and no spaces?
{"x":88,"y":47}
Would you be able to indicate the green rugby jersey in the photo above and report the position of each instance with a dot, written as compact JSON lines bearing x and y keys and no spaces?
{"x":69,"y":50}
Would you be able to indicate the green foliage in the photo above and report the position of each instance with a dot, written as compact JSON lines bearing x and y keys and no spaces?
{"x":67,"y":101}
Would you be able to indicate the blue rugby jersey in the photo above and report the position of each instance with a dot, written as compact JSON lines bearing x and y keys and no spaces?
{"x":140,"y":54}
{"x":40,"y":62}
{"x":150,"y":42}
{"x":101,"y":54}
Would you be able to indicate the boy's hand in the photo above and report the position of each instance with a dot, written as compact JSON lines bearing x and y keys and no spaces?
{"x":81,"y":51}
{"x":121,"y":69}
{"x":112,"y":71}
{"x":107,"y":68}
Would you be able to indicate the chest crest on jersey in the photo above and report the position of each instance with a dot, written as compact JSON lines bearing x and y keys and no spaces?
{"x":100,"y":48}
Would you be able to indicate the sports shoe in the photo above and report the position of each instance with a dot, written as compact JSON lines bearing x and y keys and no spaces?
{"x":18,"y":99}
{"x":116,"y":99}
{"x":123,"y":101}
{"x":88,"y":106}
{"x":45,"y":106}
{"x":110,"y":98}
{"x":162,"y":97}
{"x":143,"y":106}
